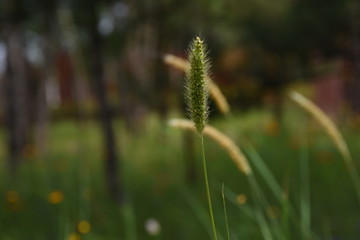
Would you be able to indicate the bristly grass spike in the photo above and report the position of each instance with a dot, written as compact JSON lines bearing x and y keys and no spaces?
{"x":197,"y":93}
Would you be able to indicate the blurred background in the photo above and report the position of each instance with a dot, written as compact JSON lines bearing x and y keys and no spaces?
{"x":85,"y":151}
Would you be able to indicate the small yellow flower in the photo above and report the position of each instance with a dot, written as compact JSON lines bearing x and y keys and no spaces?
{"x":55,"y":197}
{"x":74,"y":236}
{"x":29,"y":151}
{"x":12,"y":196}
{"x":272,"y":128}
{"x":273,"y":212}
{"x":13,"y":200}
{"x":84,"y":227}
{"x":241,"y":199}
{"x":324,"y":157}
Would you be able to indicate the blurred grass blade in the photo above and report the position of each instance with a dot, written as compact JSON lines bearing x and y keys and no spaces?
{"x":129,"y":221}
{"x":264,"y":171}
{"x":199,"y":210}
{"x":262,"y":206}
{"x":327,"y":229}
{"x":225,"y":213}
{"x":254,"y":214}
{"x":259,"y":215}
{"x":275,"y":187}
{"x":231,"y":197}
{"x":264,"y":227}
{"x":285,"y":216}
{"x":305,"y":208}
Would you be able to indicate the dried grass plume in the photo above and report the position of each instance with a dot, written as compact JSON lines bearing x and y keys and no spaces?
{"x":325,"y":122}
{"x":224,"y":141}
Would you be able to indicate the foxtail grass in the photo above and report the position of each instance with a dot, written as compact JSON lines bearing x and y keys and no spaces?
{"x":215,"y":93}
{"x":196,"y":88}
{"x":334,"y":134}
{"x":242,"y":163}
{"x":325,"y":122}
{"x":220,"y":138}
{"x":196,"y":98}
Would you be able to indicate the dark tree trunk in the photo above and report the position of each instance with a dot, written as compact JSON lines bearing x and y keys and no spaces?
{"x":16,"y":97}
{"x":97,"y":69}
{"x":42,"y":115}
{"x":80,"y":86}
{"x":352,"y":85}
{"x":161,"y":83}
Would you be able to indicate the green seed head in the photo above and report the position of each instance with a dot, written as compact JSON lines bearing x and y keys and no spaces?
{"x":196,"y":85}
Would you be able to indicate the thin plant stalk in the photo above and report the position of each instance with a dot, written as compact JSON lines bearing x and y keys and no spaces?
{"x":305,"y":207}
{"x":225,"y":213}
{"x":213,"y":226}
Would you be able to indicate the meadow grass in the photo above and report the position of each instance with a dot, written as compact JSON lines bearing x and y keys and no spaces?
{"x":334,"y":134}
{"x":319,"y":190}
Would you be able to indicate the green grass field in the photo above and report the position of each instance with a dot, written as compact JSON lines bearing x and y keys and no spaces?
{"x":55,"y":191}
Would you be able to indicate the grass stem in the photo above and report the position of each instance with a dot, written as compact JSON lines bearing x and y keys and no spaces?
{"x":225,"y":213}
{"x":208,"y":189}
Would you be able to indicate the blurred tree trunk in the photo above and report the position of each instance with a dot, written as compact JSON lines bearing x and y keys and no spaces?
{"x":17,"y":97}
{"x":97,"y":70}
{"x":161,"y":78}
{"x":352,"y":85}
{"x":42,"y":113}
{"x":73,"y":48}
{"x":132,"y":97}
{"x":149,"y":36}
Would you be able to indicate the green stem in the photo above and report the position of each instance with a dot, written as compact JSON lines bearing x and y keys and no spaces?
{"x":208,"y":189}
{"x":225,"y":213}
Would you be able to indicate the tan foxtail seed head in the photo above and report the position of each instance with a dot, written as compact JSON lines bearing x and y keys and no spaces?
{"x":325,"y":122}
{"x":224,"y":141}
